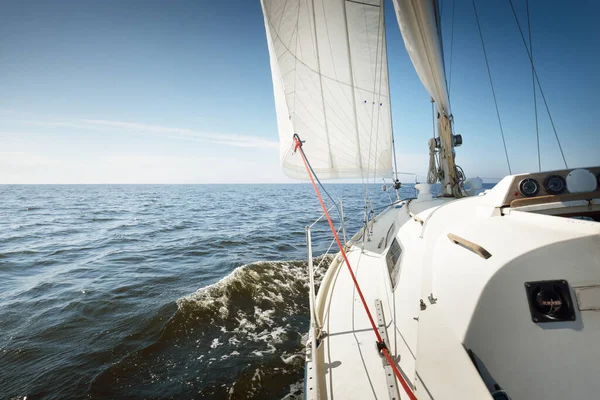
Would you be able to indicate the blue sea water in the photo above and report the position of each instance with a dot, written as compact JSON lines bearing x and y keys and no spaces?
{"x":159,"y":291}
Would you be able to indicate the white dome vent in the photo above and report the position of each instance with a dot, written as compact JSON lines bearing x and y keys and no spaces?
{"x":580,"y":181}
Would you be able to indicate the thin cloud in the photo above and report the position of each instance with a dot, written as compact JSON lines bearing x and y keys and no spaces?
{"x":225,"y":139}
{"x":123,"y":168}
{"x":155,"y":130}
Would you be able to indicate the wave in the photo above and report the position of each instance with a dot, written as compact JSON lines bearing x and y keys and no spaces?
{"x":241,"y":337}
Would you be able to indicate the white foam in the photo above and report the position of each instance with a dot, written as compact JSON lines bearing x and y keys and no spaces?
{"x":296,"y":391}
{"x":275,"y":287}
{"x":290,"y":359}
{"x":258,"y":374}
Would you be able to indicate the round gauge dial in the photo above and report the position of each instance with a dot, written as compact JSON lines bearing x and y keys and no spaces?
{"x":529,"y":187}
{"x":555,"y":184}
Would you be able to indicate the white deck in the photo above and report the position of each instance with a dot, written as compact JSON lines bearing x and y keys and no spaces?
{"x":350,"y":341}
{"x":478,"y":304}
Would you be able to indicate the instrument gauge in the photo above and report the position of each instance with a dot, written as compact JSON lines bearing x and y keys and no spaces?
{"x":529,"y":187}
{"x":555,"y":184}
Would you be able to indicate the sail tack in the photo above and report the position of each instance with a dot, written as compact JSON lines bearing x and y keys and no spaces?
{"x":330,"y":81}
{"x":419,"y":25}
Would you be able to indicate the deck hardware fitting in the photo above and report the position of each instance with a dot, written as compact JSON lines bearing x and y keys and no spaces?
{"x":432,"y":299}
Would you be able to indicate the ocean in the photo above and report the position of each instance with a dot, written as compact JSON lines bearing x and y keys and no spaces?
{"x":160,"y":291}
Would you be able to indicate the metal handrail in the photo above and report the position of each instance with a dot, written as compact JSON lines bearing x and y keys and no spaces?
{"x":311,"y":269}
{"x":316,"y":325}
{"x":320,"y":217}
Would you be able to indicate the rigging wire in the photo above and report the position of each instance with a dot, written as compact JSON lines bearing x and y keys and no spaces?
{"x":451,"y":47}
{"x":387,"y":66}
{"x":492,"y":85}
{"x":337,"y":207}
{"x":433,"y":172}
{"x":432,"y":118}
{"x":381,"y":345}
{"x":394,"y":151}
{"x":537,"y":130}
{"x":537,"y":78}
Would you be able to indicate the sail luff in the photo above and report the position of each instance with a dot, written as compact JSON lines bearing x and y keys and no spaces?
{"x":419,"y":25}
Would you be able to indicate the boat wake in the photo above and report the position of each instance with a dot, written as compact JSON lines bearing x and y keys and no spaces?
{"x":242,"y":337}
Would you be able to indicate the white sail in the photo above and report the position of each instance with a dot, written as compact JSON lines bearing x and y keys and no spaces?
{"x":418,"y":21}
{"x":330,"y":80}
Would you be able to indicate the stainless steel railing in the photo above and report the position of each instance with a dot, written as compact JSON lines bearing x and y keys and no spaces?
{"x":316,"y":325}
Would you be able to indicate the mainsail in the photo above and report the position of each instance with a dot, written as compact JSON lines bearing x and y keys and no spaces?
{"x":419,"y":24}
{"x":330,"y":80}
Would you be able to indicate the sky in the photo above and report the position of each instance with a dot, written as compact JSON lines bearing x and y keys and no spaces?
{"x":180,"y":91}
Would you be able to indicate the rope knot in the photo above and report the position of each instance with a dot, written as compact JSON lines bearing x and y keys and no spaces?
{"x":297,"y":142}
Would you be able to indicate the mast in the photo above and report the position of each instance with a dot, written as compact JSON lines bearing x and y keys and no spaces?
{"x":450,"y":179}
{"x":419,"y":24}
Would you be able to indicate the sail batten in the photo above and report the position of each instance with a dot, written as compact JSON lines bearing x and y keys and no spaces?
{"x":330,"y":81}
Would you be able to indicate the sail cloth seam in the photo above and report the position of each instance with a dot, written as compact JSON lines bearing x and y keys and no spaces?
{"x":378,"y":103}
{"x":375,"y":99}
{"x":316,"y":104}
{"x":374,"y":72}
{"x":537,"y":78}
{"x":339,"y":150}
{"x":350,"y":103}
{"x":295,"y":97}
{"x":379,"y":94}
{"x":281,"y":16}
{"x":314,"y":70}
{"x":380,"y":343}
{"x":316,"y":41}
{"x":363,"y":4}
{"x":353,"y":82}
{"x":487,"y":64}
{"x":387,"y":67}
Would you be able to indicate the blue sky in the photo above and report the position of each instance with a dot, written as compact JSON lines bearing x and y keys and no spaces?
{"x":180,"y":92}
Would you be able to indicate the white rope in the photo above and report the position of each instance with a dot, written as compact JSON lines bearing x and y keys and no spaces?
{"x":432,"y":174}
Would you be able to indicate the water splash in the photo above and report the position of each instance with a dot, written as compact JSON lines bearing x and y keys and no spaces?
{"x":225,"y":339}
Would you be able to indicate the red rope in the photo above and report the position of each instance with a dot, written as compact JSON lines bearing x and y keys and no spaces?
{"x":298,"y":144}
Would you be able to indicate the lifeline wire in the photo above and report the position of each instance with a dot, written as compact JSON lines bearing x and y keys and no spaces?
{"x":297,"y":139}
{"x":380,"y":343}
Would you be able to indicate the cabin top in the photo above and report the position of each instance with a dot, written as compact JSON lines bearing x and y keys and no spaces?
{"x":573,"y":192}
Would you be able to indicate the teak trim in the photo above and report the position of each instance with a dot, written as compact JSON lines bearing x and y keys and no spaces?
{"x":475,"y":248}
{"x":555,"y":198}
